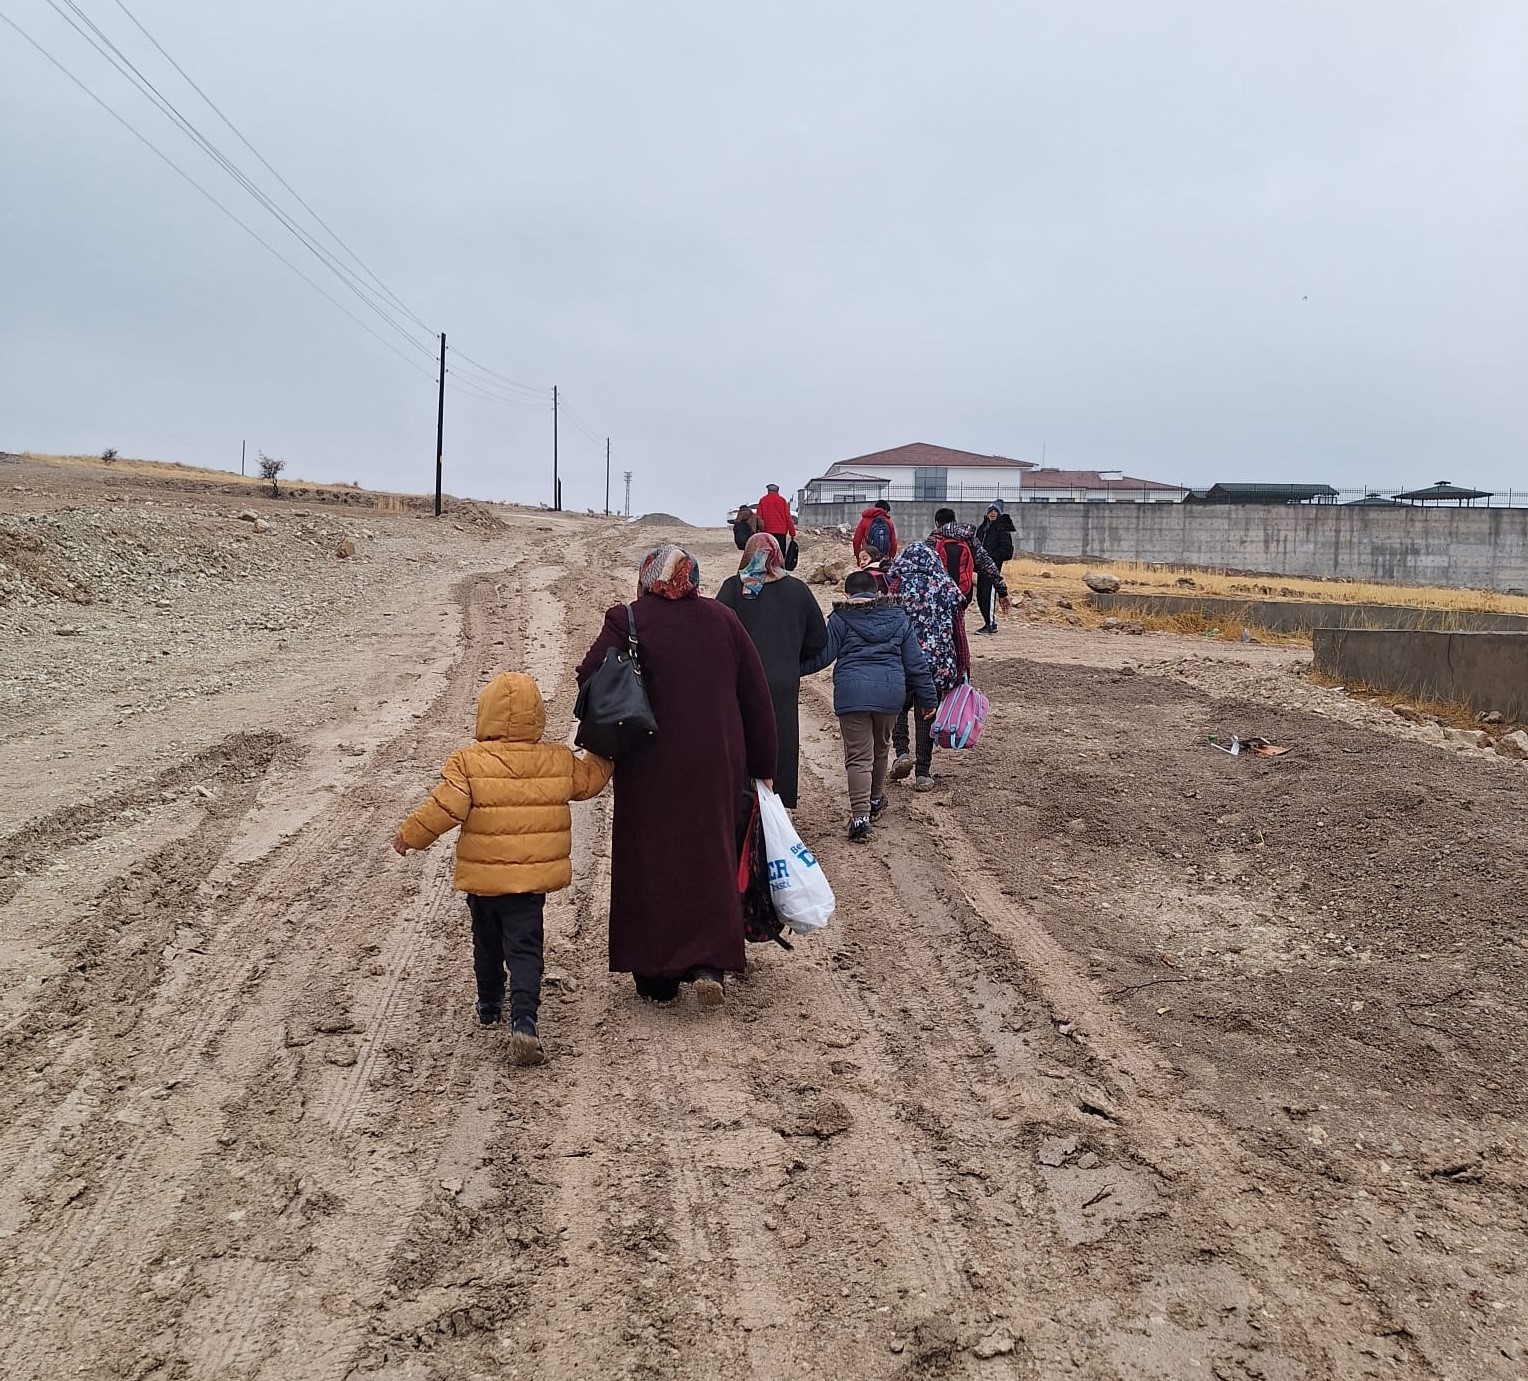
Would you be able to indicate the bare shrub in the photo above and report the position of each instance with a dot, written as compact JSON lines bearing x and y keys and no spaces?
{"x":270,"y":468}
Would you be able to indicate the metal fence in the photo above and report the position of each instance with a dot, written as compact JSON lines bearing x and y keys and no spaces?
{"x":1017,"y":493}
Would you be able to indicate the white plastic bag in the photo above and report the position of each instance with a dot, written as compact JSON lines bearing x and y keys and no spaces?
{"x":803,"y":899}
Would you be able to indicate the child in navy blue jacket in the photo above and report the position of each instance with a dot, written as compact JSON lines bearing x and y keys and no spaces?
{"x":879,"y":660}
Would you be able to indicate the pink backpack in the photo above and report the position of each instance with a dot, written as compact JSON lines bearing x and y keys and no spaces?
{"x":961,"y":717}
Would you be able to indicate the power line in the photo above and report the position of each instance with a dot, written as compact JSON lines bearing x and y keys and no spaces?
{"x":476,"y":379}
{"x":597,"y":440}
{"x":126,"y":68}
{"x":503,"y":378}
{"x":465,"y":386}
{"x":483,"y":380}
{"x":181,"y":172}
{"x":355,"y":258}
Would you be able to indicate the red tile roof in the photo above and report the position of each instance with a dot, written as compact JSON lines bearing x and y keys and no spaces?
{"x":920,"y":453}
{"x":1088,"y":479}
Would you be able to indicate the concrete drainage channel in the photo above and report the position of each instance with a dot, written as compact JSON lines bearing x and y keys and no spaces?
{"x":1486,"y":671}
{"x":1462,"y":657}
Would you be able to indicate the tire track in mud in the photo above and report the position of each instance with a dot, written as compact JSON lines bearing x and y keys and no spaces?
{"x":354,"y":1015}
{"x":1106,"y":1090}
{"x":424,"y":953}
{"x":473,"y":1311}
{"x":220,"y":989}
{"x":1224,"y":1184}
{"x":682,"y":1199}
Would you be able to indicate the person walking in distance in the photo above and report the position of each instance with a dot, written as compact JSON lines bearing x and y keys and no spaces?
{"x":919,"y":581}
{"x":785,"y":623}
{"x":876,"y":530}
{"x":743,"y":526}
{"x":774,"y":517}
{"x":879,"y":666}
{"x":509,"y":794}
{"x":965,"y":559}
{"x":995,"y":532}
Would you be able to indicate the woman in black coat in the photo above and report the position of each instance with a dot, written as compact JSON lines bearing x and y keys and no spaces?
{"x":744,"y":526}
{"x":995,"y":533}
{"x":783,"y":618}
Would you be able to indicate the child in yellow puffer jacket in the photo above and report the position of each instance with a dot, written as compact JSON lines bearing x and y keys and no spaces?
{"x":509,"y":794}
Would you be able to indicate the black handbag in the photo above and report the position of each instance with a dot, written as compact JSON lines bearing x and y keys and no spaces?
{"x":792,"y":555}
{"x":613,"y":712}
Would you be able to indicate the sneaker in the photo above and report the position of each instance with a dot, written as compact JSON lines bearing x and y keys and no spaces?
{"x":859,"y":829}
{"x":525,"y":1046}
{"x":923,"y":782}
{"x":488,"y":1015}
{"x":877,"y":808}
{"x":708,"y":988}
{"x":902,"y":768}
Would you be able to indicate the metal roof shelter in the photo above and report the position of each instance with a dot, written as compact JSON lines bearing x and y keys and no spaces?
{"x":1443,"y":492}
{"x":1372,"y":501}
{"x":1266,"y":494}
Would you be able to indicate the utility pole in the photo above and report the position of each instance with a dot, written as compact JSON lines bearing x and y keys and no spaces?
{"x":556,"y":483}
{"x":440,"y":422}
{"x":628,"y":493}
{"x":242,"y":445}
{"x":607,"y":476}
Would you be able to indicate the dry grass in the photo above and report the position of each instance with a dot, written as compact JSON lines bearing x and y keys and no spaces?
{"x":1066,"y":578}
{"x":1452,"y":714}
{"x":150,"y":470}
{"x":1194,"y":624}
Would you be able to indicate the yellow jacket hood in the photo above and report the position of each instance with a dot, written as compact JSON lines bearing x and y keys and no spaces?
{"x":510,"y":709}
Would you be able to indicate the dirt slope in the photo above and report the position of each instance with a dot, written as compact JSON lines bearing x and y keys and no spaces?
{"x":254,"y":1130}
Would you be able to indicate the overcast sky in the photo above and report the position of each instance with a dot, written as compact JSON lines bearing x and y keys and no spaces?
{"x":1193,"y":241}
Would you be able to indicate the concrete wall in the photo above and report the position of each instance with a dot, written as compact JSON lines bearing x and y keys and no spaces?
{"x":1481,"y":547}
{"x":1301,"y":616}
{"x":1486,"y":671}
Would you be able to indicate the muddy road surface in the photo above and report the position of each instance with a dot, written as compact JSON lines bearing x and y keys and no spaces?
{"x":1122,"y":1058}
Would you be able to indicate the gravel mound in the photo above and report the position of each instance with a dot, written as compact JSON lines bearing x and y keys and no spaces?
{"x":659,"y":520}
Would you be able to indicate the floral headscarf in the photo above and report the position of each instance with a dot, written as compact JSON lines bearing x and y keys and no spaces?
{"x":762,"y":562}
{"x":932,"y":600}
{"x":670,"y":572}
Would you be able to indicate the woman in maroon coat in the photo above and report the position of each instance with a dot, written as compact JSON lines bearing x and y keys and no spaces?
{"x":675,"y":913}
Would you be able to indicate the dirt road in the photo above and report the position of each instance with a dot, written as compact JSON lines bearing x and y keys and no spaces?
{"x":1122,"y":1058}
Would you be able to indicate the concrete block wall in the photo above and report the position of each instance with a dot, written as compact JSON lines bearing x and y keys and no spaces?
{"x":1485,"y":548}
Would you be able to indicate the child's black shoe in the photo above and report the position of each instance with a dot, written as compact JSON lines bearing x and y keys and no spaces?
{"x":525,"y":1046}
{"x":489,"y":1014}
{"x":859,"y":829}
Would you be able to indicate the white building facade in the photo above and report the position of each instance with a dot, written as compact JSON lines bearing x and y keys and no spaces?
{"x":919,"y":472}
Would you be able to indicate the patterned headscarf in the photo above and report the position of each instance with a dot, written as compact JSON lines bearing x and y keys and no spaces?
{"x":761,"y":562}
{"x":670,"y":572}
{"x":932,"y":600}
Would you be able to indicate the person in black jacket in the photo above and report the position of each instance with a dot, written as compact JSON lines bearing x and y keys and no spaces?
{"x":995,"y":533}
{"x":744,"y":526}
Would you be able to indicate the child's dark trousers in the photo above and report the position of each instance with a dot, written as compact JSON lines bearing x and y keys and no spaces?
{"x":507,"y":933}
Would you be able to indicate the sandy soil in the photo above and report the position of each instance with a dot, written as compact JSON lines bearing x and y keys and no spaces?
{"x":1123,"y":1058}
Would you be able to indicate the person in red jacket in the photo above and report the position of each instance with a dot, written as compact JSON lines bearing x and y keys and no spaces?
{"x":876,"y":529}
{"x":774,"y":515}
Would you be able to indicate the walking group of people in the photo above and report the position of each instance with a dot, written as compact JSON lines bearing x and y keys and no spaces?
{"x":723,"y":679}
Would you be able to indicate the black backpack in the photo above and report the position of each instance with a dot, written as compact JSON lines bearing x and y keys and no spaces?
{"x":879,"y":536}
